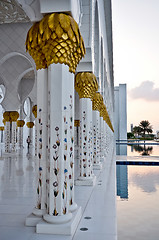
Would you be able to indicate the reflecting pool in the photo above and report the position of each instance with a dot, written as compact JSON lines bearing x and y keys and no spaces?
{"x":138,"y":149}
{"x":137,"y":202}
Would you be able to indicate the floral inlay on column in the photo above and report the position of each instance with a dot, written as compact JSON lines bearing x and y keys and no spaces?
{"x":96,"y":105}
{"x":20,"y":124}
{"x":56,"y":147}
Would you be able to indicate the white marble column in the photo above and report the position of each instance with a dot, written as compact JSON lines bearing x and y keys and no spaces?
{"x":96,"y":146}
{"x":34,"y":110}
{"x":14,"y":125}
{"x":14,"y":115}
{"x":86,"y":85}
{"x":20,"y":124}
{"x":42,"y":115}
{"x":7,"y":137}
{"x":96,"y":106}
{"x":52,"y":53}
{"x":2,"y":130}
{"x":41,"y":158}
{"x":71,"y":150}
{"x":86,"y":164}
{"x":58,"y":201}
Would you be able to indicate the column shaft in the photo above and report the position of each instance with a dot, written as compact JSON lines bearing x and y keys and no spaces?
{"x":42,"y":88}
{"x":58,"y":200}
{"x":14,"y":124}
{"x":7,"y":137}
{"x":85,"y":138}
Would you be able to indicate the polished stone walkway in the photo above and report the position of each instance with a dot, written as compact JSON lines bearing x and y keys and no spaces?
{"x":17,"y":197}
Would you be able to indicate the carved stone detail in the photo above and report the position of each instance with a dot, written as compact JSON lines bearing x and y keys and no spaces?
{"x":11,"y":12}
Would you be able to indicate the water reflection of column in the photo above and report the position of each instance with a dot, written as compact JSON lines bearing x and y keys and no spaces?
{"x":86,"y":85}
{"x":122,"y":181}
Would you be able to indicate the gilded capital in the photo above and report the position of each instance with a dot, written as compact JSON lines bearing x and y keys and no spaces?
{"x":30,"y":124}
{"x":20,"y":123}
{"x":1,"y":128}
{"x":34,"y":110}
{"x":6,"y":116}
{"x":102,"y":109}
{"x":76,"y":123}
{"x":4,"y":122}
{"x":14,"y":115}
{"x":55,"y":39}
{"x":86,"y":84}
{"x":106,"y":118}
{"x":96,"y":101}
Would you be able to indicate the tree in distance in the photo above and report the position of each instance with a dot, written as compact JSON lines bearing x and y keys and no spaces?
{"x":145,"y":127}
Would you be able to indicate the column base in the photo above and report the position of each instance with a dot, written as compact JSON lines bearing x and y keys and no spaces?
{"x":68,"y":228}
{"x":32,"y":220}
{"x":85,"y":181}
{"x":97,"y":166}
{"x":34,"y":217}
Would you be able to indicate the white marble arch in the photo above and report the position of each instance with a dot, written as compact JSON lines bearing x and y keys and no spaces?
{"x":13,"y":67}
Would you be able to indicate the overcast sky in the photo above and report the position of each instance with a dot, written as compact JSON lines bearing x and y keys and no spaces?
{"x":136,"y":57}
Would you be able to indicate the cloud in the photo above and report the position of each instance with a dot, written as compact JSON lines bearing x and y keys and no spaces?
{"x":147,"y":182}
{"x":145,"y":91}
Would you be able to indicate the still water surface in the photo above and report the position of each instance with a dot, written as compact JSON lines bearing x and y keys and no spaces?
{"x":137,"y":150}
{"x":137,"y":202}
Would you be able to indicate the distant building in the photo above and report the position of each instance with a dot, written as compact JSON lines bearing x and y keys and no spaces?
{"x":120,"y":112}
{"x":131,"y":127}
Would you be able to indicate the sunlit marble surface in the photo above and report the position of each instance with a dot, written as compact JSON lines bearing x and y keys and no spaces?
{"x":17,"y":199}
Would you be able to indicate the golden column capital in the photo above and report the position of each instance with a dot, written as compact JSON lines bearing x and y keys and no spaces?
{"x":6,"y":116}
{"x":1,"y":128}
{"x":86,"y":84}
{"x":55,"y":39}
{"x":76,"y":123}
{"x":4,"y":122}
{"x":14,"y":115}
{"x":106,"y":118}
{"x":20,"y":123}
{"x":34,"y":110}
{"x":102,"y":109}
{"x":30,"y":124}
{"x":97,"y":101}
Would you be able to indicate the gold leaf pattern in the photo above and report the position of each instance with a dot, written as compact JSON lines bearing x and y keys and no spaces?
{"x":55,"y":39}
{"x":86,"y":84}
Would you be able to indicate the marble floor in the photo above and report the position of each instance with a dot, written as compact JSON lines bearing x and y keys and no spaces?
{"x":17,"y":199}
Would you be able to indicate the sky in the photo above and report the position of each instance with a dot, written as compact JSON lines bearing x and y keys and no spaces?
{"x":136,"y":57}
